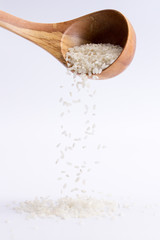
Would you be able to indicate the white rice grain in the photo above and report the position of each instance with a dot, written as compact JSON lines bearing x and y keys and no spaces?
{"x":58,"y":145}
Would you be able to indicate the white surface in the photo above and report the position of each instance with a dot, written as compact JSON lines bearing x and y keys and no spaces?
{"x":128,"y":116}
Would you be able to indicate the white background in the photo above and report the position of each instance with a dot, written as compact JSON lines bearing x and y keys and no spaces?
{"x":127,"y":120}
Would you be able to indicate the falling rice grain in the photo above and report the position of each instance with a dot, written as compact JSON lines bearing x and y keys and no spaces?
{"x":89,"y":133}
{"x":76,"y":166}
{"x":62,"y":155}
{"x":76,"y":101}
{"x":83,"y":191}
{"x":87,"y":122}
{"x":77,"y":139}
{"x":57,"y":161}
{"x":69,"y":163}
{"x":77,"y":179}
{"x":83,"y":166}
{"x":74,"y":189}
{"x":98,"y":147}
{"x":73,"y":145}
{"x":84,"y":182}
{"x":58,"y":145}
{"x":64,"y":133}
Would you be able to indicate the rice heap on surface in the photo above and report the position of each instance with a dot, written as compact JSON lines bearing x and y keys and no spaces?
{"x":66,"y":207}
{"x":89,"y":59}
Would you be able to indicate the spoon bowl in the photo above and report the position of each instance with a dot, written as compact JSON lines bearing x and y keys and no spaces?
{"x":106,"y":26}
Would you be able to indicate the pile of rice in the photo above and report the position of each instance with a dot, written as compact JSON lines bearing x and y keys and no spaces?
{"x":80,"y":207}
{"x":89,"y":59}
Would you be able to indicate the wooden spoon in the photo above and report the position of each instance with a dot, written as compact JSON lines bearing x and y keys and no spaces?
{"x":106,"y":26}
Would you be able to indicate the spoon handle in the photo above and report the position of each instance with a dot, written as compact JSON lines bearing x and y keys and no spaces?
{"x":47,"y":36}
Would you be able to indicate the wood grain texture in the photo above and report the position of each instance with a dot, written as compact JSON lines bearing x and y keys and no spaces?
{"x":106,"y":26}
